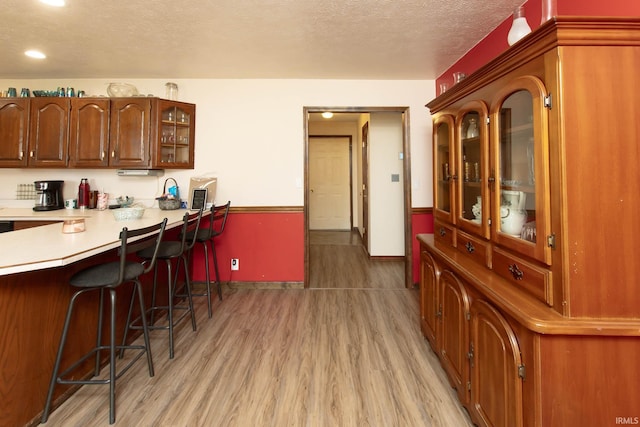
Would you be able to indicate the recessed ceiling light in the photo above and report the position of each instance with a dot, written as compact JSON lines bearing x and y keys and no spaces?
{"x":327,"y":114}
{"x":35,"y":54}
{"x":56,"y":3}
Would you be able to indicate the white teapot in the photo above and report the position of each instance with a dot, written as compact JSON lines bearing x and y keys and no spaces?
{"x":513,"y":214}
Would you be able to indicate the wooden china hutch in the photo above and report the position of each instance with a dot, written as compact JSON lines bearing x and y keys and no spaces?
{"x":530,"y":284}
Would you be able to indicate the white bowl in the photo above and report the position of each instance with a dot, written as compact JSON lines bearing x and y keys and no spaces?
{"x":126,"y":214}
{"x":121,"y":90}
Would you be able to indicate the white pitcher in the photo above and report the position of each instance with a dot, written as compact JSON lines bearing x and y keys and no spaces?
{"x":513,"y":214}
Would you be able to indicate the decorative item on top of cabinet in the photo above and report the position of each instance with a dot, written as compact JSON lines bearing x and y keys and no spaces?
{"x":14,"y":132}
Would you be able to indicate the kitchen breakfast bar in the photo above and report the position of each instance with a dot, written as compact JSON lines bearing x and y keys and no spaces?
{"x":36,"y":264}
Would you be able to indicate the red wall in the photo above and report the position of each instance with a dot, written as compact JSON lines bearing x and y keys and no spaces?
{"x":496,"y":42}
{"x":420,"y":223}
{"x":268,"y":245}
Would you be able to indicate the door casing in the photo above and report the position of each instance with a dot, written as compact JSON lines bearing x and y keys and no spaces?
{"x":406,"y":164}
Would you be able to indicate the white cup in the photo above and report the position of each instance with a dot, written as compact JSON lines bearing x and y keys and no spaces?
{"x":103,"y":201}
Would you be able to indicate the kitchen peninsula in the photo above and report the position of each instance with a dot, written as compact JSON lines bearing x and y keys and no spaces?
{"x":35,"y":268}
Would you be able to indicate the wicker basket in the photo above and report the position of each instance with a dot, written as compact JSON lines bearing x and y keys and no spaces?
{"x":167,"y":204}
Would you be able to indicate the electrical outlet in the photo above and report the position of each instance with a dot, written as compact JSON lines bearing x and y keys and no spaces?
{"x":235,"y":264}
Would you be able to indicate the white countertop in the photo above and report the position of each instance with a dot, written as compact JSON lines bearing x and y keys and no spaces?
{"x":48,"y":247}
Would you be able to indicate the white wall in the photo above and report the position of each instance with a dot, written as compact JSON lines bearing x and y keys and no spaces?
{"x":386,"y":197}
{"x":249,"y":133}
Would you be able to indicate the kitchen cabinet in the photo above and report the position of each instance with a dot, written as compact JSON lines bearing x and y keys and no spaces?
{"x":537,"y":307}
{"x":131,"y":136}
{"x":128,"y":133}
{"x":496,"y":369}
{"x":430,"y":311}
{"x":174,"y":145}
{"x":454,"y":331}
{"x":14,"y":131}
{"x":49,"y":132}
{"x":89,"y":132}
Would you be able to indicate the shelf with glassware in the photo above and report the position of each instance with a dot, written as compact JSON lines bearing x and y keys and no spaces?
{"x":472,"y":137}
{"x":176,"y":135}
{"x":444,"y":174}
{"x":520,"y":163}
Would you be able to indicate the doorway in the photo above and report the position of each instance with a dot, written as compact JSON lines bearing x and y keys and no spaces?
{"x":406,"y":180}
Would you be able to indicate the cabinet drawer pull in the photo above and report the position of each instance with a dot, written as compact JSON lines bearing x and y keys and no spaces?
{"x":442,"y":231}
{"x":470,"y":247}
{"x":516,"y":272}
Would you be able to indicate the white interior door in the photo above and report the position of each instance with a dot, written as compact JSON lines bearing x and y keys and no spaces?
{"x":329,"y":189}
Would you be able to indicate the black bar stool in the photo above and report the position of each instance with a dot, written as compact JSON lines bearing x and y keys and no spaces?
{"x":101,"y":278}
{"x":217,"y":221}
{"x":171,"y":250}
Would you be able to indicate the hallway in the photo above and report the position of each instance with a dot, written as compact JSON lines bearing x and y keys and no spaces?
{"x":347,"y":353}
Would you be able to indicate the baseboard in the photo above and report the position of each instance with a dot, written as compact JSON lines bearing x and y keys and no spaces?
{"x":265,"y":285}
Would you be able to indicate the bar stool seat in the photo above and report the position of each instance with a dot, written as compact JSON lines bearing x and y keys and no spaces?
{"x":206,"y":236}
{"x":169,"y":251}
{"x":101,"y":278}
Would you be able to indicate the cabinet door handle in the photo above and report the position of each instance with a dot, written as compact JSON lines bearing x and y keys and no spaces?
{"x":470,"y":247}
{"x":442,"y":231}
{"x":31,"y":154}
{"x":102,"y":155}
{"x":516,"y":272}
{"x":113,"y":153}
{"x":20,"y":155}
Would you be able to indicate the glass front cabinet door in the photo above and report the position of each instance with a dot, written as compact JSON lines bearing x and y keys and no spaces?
{"x":472,"y":163}
{"x":176,"y":135}
{"x":444,"y":173}
{"x":520,"y":168}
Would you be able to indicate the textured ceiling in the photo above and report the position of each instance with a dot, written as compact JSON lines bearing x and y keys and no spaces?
{"x":334,"y":39}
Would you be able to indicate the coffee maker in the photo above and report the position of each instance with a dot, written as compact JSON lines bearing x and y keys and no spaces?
{"x":49,"y":195}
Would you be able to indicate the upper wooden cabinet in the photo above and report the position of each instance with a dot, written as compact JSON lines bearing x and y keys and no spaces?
{"x":89,"y":133}
{"x":173,"y":147}
{"x":14,"y":131}
{"x":49,"y":132}
{"x":129,"y":133}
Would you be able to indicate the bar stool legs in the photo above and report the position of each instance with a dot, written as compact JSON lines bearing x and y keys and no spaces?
{"x":171,"y":250}
{"x":217,"y":221}
{"x":58,"y":377}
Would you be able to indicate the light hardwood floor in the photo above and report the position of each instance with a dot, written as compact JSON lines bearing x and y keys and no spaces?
{"x":347,"y":352}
